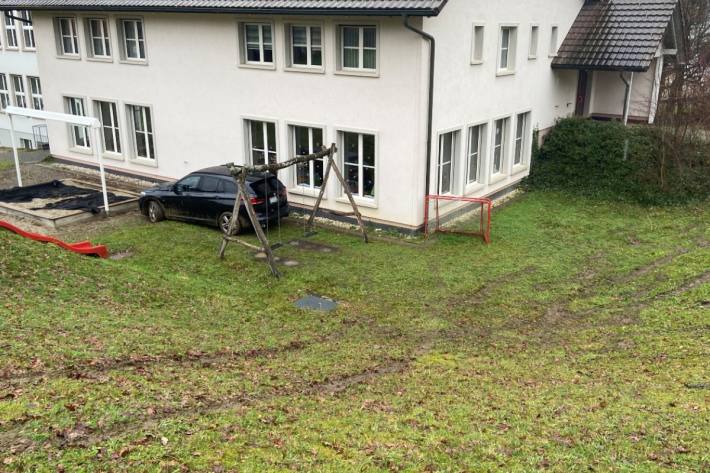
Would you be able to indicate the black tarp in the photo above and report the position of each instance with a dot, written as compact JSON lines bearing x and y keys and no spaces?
{"x":46,"y":190}
{"x":91,"y":202}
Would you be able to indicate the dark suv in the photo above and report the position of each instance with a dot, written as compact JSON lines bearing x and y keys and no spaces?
{"x":207,"y":196}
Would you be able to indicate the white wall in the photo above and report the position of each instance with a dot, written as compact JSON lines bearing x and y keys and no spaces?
{"x":468,"y":93}
{"x":608,"y":92}
{"x":200,"y":96}
{"x":22,"y":62}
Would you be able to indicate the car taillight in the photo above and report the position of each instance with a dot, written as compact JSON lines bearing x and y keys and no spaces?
{"x":256,"y":200}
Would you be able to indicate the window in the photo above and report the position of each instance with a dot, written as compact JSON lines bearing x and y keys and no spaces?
{"x":4,"y":92}
{"x":18,"y":88}
{"x":79,"y":134}
{"x":306,"y":46}
{"x":499,"y":148}
{"x":108,"y":116}
{"x":25,"y":143}
{"x":10,"y":30}
{"x":28,"y":34}
{"x":36,"y":93}
{"x":262,"y":142}
{"x":133,"y":39}
{"x":67,"y":40}
{"x":358,"y":48}
{"x":258,"y":44}
{"x":534,"y":39}
{"x":359,"y":161}
{"x":98,"y":38}
{"x":474,"y":153}
{"x":141,"y":123}
{"x":448,"y":143}
{"x":477,"y":44}
{"x":521,"y":133}
{"x":553,"y":41}
{"x":506,"y":56}
{"x":308,"y":141}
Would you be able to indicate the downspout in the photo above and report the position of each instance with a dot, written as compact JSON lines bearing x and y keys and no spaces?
{"x":627,"y":95}
{"x":430,"y":104}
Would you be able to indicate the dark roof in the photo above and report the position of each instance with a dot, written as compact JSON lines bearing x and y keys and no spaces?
{"x":615,"y":35}
{"x":320,"y":7}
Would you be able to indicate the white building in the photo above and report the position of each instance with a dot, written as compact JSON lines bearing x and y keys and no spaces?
{"x":184,"y":85}
{"x":19,"y":79}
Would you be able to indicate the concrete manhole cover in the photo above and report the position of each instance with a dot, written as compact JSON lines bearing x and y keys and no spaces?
{"x":312,"y":302}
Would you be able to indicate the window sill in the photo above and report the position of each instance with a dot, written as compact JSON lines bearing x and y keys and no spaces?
{"x":30,"y":50}
{"x":112,"y":156}
{"x":73,"y":57}
{"x":306,"y":69}
{"x":145,"y":162}
{"x":80,"y":150}
{"x":307,"y":191}
{"x":266,"y":67}
{"x":370,"y":203}
{"x":473,"y":187}
{"x":476,"y":62}
{"x":532,"y":58}
{"x":100,"y":59}
{"x":134,"y":62}
{"x":504,"y":72}
{"x":357,"y":73}
{"x":496,"y":178}
{"x":9,"y":48}
{"x":518,"y":168}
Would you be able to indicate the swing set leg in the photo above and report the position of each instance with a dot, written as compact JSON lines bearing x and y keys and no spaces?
{"x":311,"y":218}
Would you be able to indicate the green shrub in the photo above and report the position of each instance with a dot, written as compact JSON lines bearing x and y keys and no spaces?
{"x":587,"y":157}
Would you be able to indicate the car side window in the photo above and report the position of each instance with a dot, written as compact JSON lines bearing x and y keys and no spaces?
{"x":208,"y":184}
{"x":188,"y":184}
{"x":227,"y":186}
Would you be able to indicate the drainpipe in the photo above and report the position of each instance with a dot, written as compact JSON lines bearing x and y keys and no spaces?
{"x":627,"y":95}
{"x":430,"y":104}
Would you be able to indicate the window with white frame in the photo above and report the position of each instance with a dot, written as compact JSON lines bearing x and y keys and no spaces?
{"x":477,"y":36}
{"x":132,"y":36}
{"x":4,"y":92}
{"x":553,"y":40}
{"x":258,"y":44}
{"x":141,"y":123}
{"x":308,"y":140}
{"x":306,"y":46}
{"x":448,"y":143}
{"x":111,"y":135}
{"x":67,"y":39}
{"x":534,"y":40}
{"x":262,"y":142}
{"x":36,"y":93}
{"x":18,"y":90}
{"x":359,"y":163}
{"x":28,"y":33}
{"x":506,"y":53}
{"x":98,"y":39}
{"x":500,"y":133}
{"x":79,"y":134}
{"x":522,"y":123}
{"x":474,"y":152}
{"x":358,"y":48}
{"x":10,"y":30}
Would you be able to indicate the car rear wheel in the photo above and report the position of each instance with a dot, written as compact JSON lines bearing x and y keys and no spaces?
{"x":223,"y":223}
{"x":155,"y":212}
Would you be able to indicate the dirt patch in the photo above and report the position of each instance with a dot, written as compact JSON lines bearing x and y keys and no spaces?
{"x":119,"y":255}
{"x":312,"y":246}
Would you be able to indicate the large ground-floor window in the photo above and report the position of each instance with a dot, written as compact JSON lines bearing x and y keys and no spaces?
{"x":448,"y":143}
{"x":521,"y":133}
{"x":262,"y":142}
{"x":307,"y":140}
{"x":79,"y":134}
{"x":474,"y":153}
{"x":108,"y":115}
{"x":141,"y":122}
{"x":359,"y":162}
{"x":499,"y":146}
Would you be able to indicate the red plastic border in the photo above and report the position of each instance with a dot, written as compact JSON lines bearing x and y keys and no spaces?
{"x":82,"y":247}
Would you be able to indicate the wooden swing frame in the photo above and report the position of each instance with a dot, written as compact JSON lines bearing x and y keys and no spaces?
{"x":240,"y":175}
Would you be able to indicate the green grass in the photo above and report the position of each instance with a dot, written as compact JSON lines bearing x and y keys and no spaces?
{"x":4,"y":165}
{"x":577,"y":341}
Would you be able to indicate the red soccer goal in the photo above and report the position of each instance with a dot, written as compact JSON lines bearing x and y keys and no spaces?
{"x":485,"y":220}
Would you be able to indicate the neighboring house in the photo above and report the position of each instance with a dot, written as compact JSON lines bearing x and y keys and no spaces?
{"x":181,"y":85}
{"x":19,"y":79}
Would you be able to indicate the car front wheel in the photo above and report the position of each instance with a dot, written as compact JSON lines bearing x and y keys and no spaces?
{"x":155,"y":212}
{"x":223,"y":223}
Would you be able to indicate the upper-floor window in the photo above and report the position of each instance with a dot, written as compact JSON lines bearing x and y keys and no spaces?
{"x":306,"y":46}
{"x":18,"y":90}
{"x":307,"y":140}
{"x":108,"y":116}
{"x":36,"y":93}
{"x":359,"y":163}
{"x":262,"y":142}
{"x":4,"y":92}
{"x":358,"y":48}
{"x":477,"y":35}
{"x":500,"y":134}
{"x":28,"y":33}
{"x":79,"y":133}
{"x":141,"y":122}
{"x":506,"y":54}
{"x":258,"y":44}
{"x":10,"y":30}
{"x":553,"y":40}
{"x":521,"y":134}
{"x":67,"y":39}
{"x":98,"y":39}
{"x":132,"y":39}
{"x":534,"y":40}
